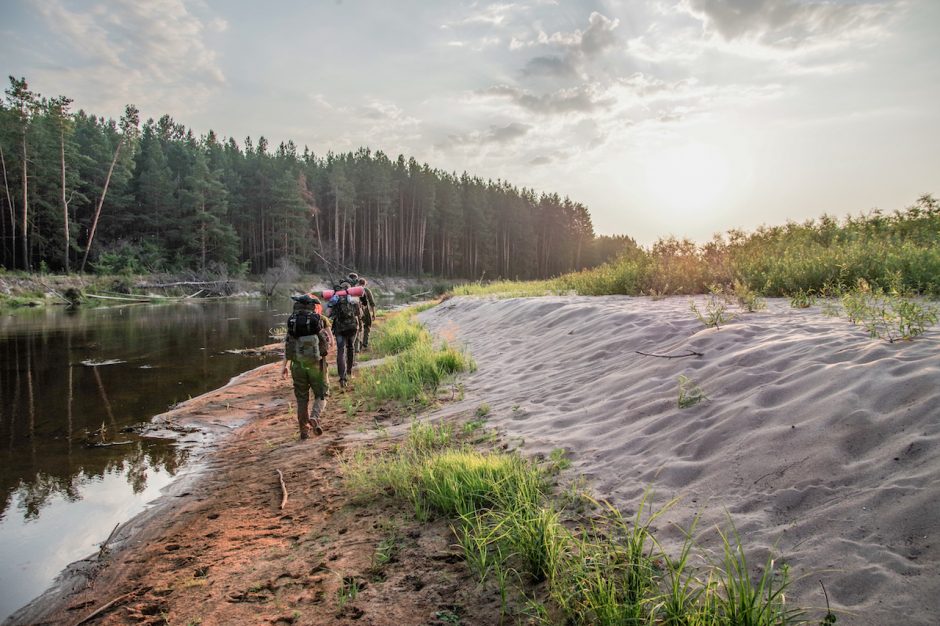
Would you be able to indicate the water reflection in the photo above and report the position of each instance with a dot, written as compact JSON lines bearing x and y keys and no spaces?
{"x":75,"y":388}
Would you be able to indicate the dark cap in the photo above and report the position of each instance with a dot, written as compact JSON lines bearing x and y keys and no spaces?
{"x":306,"y":298}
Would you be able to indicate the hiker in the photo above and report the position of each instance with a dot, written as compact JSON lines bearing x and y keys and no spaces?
{"x":368,"y":311}
{"x":305,"y":348}
{"x":346,"y":313}
{"x":353,"y":279}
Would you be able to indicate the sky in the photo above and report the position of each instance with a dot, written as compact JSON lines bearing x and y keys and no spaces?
{"x":663,"y":117}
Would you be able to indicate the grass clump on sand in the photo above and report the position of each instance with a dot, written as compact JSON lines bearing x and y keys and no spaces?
{"x":398,"y":332}
{"x":887,"y":313}
{"x":419,"y":365}
{"x":515,"y":541}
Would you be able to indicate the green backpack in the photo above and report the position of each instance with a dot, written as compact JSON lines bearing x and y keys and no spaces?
{"x":345,"y":315}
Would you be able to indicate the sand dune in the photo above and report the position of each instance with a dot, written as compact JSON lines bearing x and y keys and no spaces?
{"x":819,"y":442}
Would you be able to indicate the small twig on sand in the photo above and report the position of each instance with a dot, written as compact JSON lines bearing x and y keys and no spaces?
{"x":423,"y":293}
{"x":103,"y":608}
{"x":283,"y":488}
{"x":672,"y":356}
{"x":104,"y":546}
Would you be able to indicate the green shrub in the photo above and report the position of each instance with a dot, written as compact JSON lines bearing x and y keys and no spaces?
{"x":716,"y":310}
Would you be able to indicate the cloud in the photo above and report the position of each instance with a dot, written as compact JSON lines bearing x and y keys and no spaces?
{"x":493,"y":135}
{"x":550,"y":66}
{"x":591,"y":42}
{"x":564,"y":101}
{"x":790,"y":23}
{"x":130,"y":50}
{"x":599,"y":34}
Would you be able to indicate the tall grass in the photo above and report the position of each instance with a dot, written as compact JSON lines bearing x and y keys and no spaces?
{"x":512,"y":537}
{"x":419,"y":365}
{"x":900,"y":250}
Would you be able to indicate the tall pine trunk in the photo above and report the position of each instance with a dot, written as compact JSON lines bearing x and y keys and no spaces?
{"x":26,"y":260}
{"x":104,"y":192}
{"x":65,"y":202}
{"x":6,"y":187}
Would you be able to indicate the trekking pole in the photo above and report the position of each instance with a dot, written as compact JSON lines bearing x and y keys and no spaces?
{"x":333,"y":282}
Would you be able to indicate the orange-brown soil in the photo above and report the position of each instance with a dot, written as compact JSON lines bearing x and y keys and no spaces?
{"x":222,"y":551}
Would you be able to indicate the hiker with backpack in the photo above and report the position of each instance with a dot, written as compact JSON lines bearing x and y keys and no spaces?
{"x":306,"y":347}
{"x":368,"y":312}
{"x":345,"y":313}
{"x":353,"y":279}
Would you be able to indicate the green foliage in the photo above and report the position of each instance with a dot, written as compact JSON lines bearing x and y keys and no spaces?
{"x":747,"y":298}
{"x":483,"y":410}
{"x":887,"y":314}
{"x":124,"y":257}
{"x":612,"y":572}
{"x":748,"y":601}
{"x":802,"y":299}
{"x":558,"y":461}
{"x":716,"y":309}
{"x":398,"y":332}
{"x":900,"y":250}
{"x":348,"y":592}
{"x":207,"y":201}
{"x":690,"y":394}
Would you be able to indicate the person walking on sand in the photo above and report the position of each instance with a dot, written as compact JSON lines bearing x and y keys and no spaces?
{"x":368,"y":312}
{"x":305,"y":349}
{"x":345,"y":313}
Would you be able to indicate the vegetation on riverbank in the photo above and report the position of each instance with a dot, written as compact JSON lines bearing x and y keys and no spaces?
{"x":899,"y":252}
{"x":418,"y":367}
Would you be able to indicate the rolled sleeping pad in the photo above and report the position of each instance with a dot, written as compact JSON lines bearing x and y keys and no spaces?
{"x":352,"y":291}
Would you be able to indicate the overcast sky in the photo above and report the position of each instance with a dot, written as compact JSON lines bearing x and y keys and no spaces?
{"x":684,"y":117}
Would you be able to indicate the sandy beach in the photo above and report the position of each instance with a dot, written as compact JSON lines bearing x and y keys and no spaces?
{"x":817,"y":441}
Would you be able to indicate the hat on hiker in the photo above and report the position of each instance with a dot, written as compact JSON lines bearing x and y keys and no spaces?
{"x":353,"y":278}
{"x":305,"y":299}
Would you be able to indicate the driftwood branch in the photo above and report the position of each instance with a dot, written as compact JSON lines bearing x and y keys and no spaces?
{"x":104,"y":546}
{"x":280,"y":476}
{"x":103,"y":608}
{"x":184,"y":283}
{"x":672,"y":356}
{"x":423,"y":293}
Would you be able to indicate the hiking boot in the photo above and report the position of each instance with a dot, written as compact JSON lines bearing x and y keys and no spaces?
{"x":342,"y":383}
{"x":305,"y":433}
{"x":317,"y":429}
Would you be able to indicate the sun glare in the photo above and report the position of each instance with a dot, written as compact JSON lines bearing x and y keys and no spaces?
{"x":687,"y":178}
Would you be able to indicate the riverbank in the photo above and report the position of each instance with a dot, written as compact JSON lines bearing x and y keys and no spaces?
{"x":19,"y":289}
{"x":219,"y":549}
{"x":810,"y":440}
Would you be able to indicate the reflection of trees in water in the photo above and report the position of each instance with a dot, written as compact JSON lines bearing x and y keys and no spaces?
{"x":34,"y":494}
{"x":50,"y":401}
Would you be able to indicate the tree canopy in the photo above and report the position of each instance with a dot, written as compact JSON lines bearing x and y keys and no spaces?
{"x":155,"y":197}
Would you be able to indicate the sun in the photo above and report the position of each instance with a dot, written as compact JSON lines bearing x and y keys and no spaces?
{"x":687,"y":179}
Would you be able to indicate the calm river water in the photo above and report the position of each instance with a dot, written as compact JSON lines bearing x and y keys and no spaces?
{"x":72,"y":380}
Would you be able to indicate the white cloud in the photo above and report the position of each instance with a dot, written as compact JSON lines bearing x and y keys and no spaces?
{"x":789,"y":23}
{"x":133,"y":51}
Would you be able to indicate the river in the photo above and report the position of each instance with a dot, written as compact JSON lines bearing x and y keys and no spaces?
{"x":75,"y":386}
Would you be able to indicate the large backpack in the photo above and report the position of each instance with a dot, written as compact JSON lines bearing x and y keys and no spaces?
{"x":346,"y":315}
{"x":303,"y":323}
{"x":304,"y":327}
